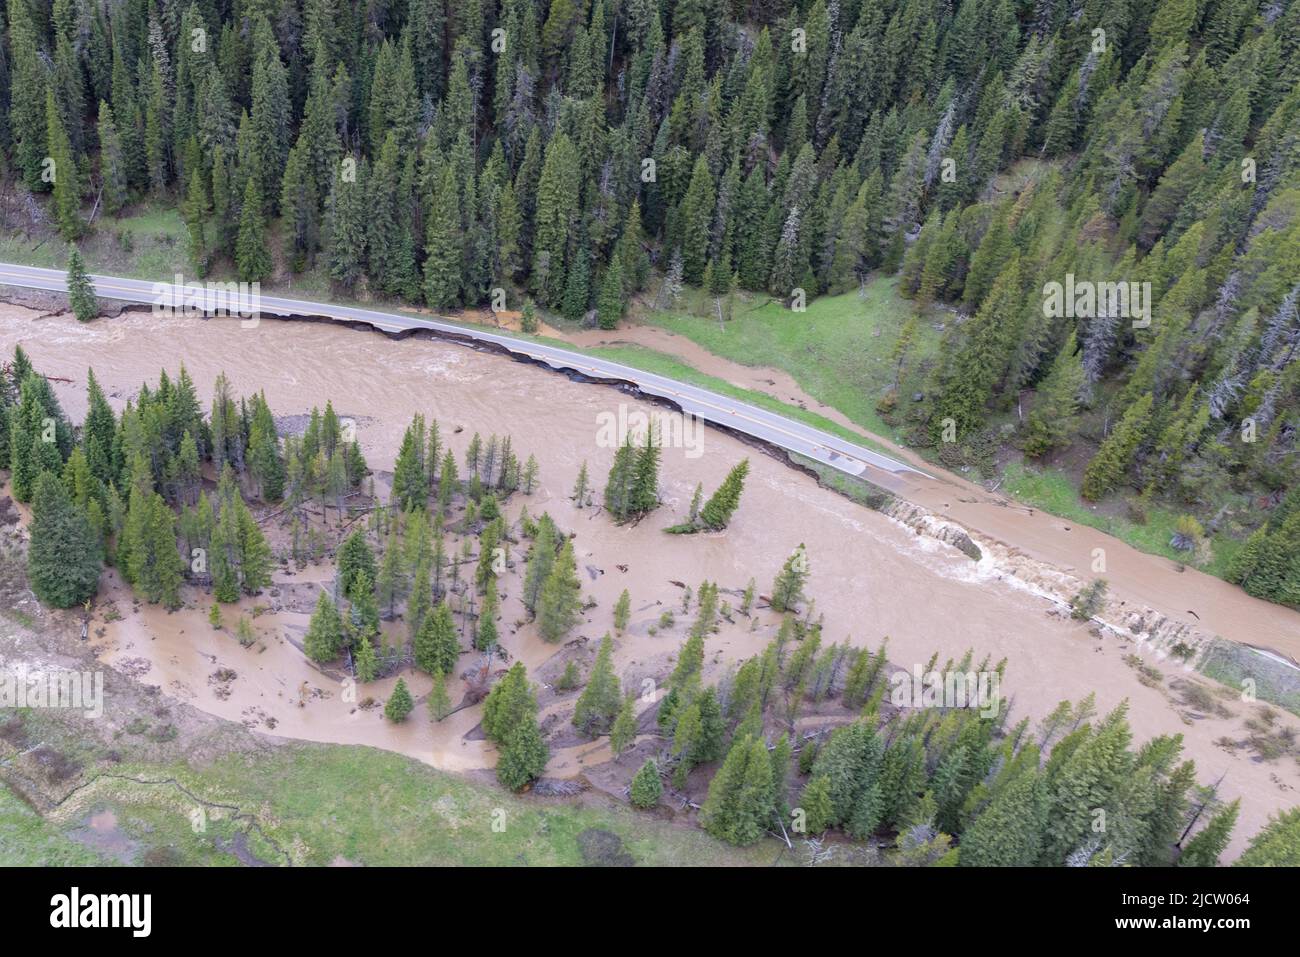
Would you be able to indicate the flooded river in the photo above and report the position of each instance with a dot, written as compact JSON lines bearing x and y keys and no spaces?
{"x":871,"y":576}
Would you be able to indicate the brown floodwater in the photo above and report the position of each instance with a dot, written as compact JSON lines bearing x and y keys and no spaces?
{"x":871,"y":576}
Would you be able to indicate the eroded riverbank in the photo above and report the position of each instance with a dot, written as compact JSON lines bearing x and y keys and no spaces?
{"x":871,"y":576}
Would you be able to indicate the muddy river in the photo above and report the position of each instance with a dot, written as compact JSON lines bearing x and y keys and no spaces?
{"x":871,"y":576}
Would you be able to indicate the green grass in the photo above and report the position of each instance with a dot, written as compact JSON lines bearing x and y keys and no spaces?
{"x":1053,"y":491}
{"x":309,"y":811}
{"x":651,"y":360}
{"x":839,"y":350}
{"x":147,"y":244}
{"x":1232,"y":665}
{"x":28,"y":840}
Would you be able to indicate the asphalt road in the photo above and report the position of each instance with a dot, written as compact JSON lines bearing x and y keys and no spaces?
{"x":789,"y":434}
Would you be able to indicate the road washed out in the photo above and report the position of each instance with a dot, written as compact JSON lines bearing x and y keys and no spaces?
{"x":872,"y":575}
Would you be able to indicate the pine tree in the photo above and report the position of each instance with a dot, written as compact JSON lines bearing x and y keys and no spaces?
{"x":345,"y":224}
{"x":815,"y":802}
{"x":609,"y":305}
{"x":63,"y":559}
{"x":62,"y":167}
{"x":252,"y":257}
{"x":524,"y":756}
{"x":1009,"y":832}
{"x":622,"y":735}
{"x":364,"y":661}
{"x":1204,"y":848}
{"x":618,"y":487}
{"x":98,"y":431}
{"x":443,"y":267}
{"x":324,"y":632}
{"x":978,"y":363}
{"x":1051,"y":420}
{"x":399,"y":703}
{"x":644,"y":494}
{"x":392,"y":581}
{"x":1276,"y":845}
{"x":254,"y":553}
{"x":410,"y":485}
{"x":299,"y":207}
{"x":787,"y":590}
{"x":560,"y":603}
{"x":439,"y":702}
{"x":508,"y":705}
{"x":581,"y":486}
{"x":739,"y":805}
{"x":598,"y":704}
{"x":486,"y":634}
{"x":722,"y":504}
{"x":355,"y":561}
{"x":646,"y":788}
{"x":112,"y":168}
{"x":1107,"y":467}
{"x":622,"y":611}
{"x":556,"y":189}
{"x":540,"y":562}
{"x":697,"y":217}
{"x":363,"y":612}
{"x":81,"y":293}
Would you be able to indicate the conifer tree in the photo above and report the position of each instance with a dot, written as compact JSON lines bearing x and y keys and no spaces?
{"x":541,"y":559}
{"x":622,"y":611}
{"x":523,"y":758}
{"x":618,"y":487}
{"x":1051,"y":419}
{"x":1277,"y":845}
{"x":697,"y":216}
{"x":646,"y":787}
{"x":817,"y":807}
{"x":609,"y":305}
{"x":63,"y":558}
{"x":355,"y":560}
{"x":644,"y":495}
{"x":437,"y":649}
{"x":399,"y":703}
{"x":324,"y":632}
{"x":112,"y":163}
{"x":622,"y":735}
{"x":81,"y":293}
{"x":1107,"y":467}
{"x":364,"y":661}
{"x":560,"y":603}
{"x":252,"y":257}
{"x":62,"y":167}
{"x":345,"y":224}
{"x":510,"y":702}
{"x":722,"y":504}
{"x":598,"y":705}
{"x":439,"y":702}
{"x":1009,"y":832}
{"x":486,"y":634}
{"x":739,"y":805}
{"x":580,"y":487}
{"x":443,"y":267}
{"x":1205,"y":847}
{"x":787,"y":590}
